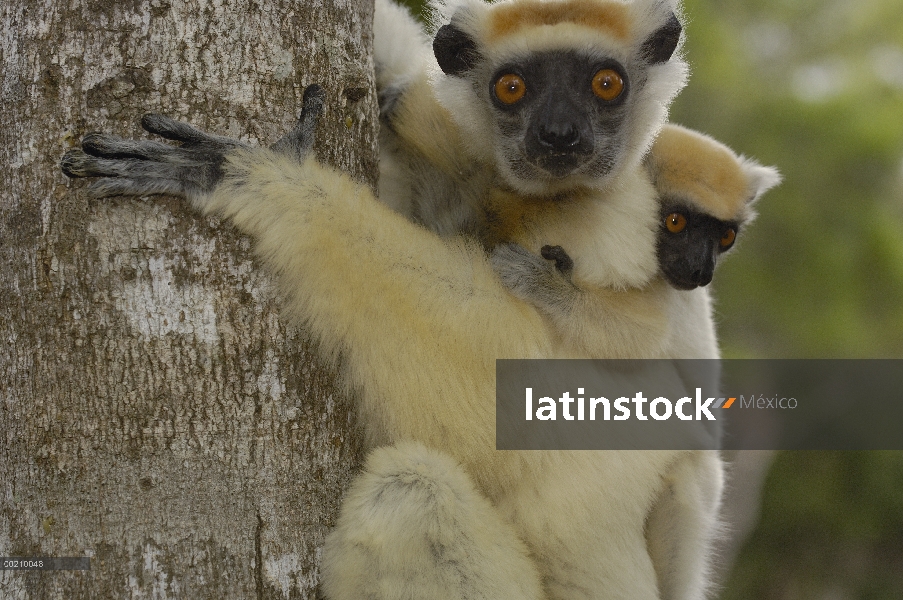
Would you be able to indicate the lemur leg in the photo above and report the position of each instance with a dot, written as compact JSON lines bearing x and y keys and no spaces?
{"x":581,"y":513}
{"x":413,"y":527}
{"x":683,"y":524}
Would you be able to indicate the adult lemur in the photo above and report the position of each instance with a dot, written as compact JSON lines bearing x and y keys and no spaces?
{"x":419,"y":320}
{"x":431,"y":173}
{"x":436,"y":169}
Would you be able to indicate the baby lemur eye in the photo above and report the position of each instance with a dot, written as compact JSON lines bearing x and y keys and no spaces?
{"x":608,"y":84}
{"x":510,"y":88}
{"x":675,"y":222}
{"x":727,"y":240}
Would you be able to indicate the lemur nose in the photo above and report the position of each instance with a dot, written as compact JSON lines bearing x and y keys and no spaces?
{"x":702,"y":277}
{"x":559,"y":136}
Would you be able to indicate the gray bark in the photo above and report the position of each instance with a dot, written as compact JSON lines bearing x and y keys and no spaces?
{"x":155,"y":412}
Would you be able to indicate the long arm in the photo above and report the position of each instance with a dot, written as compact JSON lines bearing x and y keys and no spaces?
{"x":415,"y":323}
{"x":377,"y":291}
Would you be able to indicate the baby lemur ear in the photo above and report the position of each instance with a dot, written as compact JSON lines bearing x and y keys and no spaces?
{"x":659,"y":47}
{"x":761,"y":178}
{"x":456,"y":52}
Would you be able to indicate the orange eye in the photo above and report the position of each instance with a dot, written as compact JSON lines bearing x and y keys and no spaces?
{"x":510,"y":88}
{"x":728,"y":240}
{"x":608,"y":84}
{"x":675,"y":222}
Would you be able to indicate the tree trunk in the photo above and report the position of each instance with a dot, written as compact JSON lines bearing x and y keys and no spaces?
{"x":155,"y":413}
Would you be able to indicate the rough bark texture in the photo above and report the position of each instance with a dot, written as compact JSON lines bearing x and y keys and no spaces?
{"x":155,"y":414}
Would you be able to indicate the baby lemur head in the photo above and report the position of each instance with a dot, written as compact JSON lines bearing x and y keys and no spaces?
{"x":706,"y":193}
{"x":559,"y":94}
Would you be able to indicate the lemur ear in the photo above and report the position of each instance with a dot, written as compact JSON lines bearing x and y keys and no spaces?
{"x":659,"y":47}
{"x":455,"y":51}
{"x":761,"y":179}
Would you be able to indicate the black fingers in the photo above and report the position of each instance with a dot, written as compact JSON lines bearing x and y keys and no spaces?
{"x":563,"y":262}
{"x":298,"y":142}
{"x":140,"y":177}
{"x":314,"y":98}
{"x":76,"y":163}
{"x":111,"y":146}
{"x":71,"y":164}
{"x":144,"y":167}
{"x":528,"y":276}
{"x":172,"y":129}
{"x":129,"y":176}
{"x":189,"y":135}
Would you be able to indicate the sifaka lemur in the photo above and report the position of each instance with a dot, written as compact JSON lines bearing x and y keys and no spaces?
{"x":415,"y":321}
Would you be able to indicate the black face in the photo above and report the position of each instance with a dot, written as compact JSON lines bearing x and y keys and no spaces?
{"x":559,"y":111}
{"x":689,"y":243}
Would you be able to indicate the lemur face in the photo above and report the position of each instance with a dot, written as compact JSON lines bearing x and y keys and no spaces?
{"x":559,"y":113}
{"x":689,"y":244}
{"x":562,"y":92}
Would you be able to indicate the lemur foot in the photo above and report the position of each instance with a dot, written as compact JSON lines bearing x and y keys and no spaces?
{"x":191,"y":170}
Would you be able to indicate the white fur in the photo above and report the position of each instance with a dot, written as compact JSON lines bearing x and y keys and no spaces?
{"x":761,"y":179}
{"x":684,"y":516}
{"x":596,"y":547}
{"x":416,"y":323}
{"x":413,"y":526}
{"x":400,"y":48}
{"x":614,"y":233}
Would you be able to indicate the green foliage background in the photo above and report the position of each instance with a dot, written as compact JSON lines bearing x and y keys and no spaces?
{"x":814,"y":87}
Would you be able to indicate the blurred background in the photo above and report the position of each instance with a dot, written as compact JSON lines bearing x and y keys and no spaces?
{"x":814,"y":87}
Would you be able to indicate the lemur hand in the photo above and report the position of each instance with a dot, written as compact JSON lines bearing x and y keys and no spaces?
{"x":563,"y":262}
{"x":298,"y":142}
{"x":534,"y":278}
{"x":190,"y":170}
